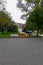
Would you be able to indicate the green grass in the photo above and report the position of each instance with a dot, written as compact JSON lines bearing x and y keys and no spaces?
{"x":7,"y":34}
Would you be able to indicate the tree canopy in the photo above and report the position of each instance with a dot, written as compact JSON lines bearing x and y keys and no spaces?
{"x":2,"y":4}
{"x":35,"y":19}
{"x":6,"y":23}
{"x":33,"y":13}
{"x":28,"y":6}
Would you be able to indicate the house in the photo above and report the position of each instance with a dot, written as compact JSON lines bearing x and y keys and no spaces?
{"x":20,"y":26}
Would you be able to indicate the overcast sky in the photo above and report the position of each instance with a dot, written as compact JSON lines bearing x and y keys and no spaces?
{"x":15,"y":12}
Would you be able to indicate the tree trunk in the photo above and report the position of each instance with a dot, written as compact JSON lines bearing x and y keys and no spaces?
{"x":37,"y":33}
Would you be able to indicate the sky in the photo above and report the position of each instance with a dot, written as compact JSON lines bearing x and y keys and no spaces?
{"x":11,"y":7}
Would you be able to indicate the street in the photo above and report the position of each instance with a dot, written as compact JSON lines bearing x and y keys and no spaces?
{"x":21,"y":51}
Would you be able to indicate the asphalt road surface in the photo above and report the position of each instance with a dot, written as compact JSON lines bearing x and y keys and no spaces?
{"x":19,"y":51}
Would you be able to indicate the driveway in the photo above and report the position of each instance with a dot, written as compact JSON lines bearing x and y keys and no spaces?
{"x":21,"y":51}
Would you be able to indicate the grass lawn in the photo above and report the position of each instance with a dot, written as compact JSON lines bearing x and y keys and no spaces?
{"x":7,"y":34}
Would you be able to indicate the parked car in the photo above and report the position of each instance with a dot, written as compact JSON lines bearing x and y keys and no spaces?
{"x":22,"y":34}
{"x":29,"y":33}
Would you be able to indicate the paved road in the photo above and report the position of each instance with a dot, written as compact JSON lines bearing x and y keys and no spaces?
{"x":19,"y":51}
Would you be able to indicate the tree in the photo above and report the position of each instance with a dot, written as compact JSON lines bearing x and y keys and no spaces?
{"x":32,"y":9}
{"x":13,"y":27}
{"x":28,"y":6}
{"x":24,"y":28}
{"x":2,"y":4}
{"x":6,"y":23}
{"x":5,"y":20}
{"x":36,"y":18}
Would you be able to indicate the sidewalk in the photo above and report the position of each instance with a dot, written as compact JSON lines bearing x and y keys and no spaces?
{"x":41,"y":35}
